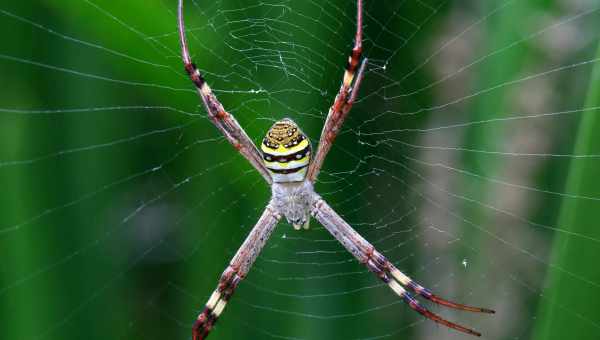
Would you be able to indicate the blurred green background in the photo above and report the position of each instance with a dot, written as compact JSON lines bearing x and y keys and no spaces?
{"x":471,"y":161}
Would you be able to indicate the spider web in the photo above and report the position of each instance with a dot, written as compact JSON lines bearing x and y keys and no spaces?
{"x":122,"y":204}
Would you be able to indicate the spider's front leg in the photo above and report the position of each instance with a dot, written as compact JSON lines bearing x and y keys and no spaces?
{"x":223,"y":120}
{"x":343,"y":101}
{"x":235,"y":272}
{"x":384,"y":269}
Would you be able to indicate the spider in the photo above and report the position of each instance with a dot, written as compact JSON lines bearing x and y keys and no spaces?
{"x":289,"y":167}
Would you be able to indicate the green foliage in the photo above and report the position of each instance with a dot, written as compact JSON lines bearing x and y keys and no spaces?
{"x":572,"y":290}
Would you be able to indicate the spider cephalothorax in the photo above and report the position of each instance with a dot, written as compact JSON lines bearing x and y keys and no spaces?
{"x":287,"y":165}
{"x":294,"y":200}
{"x":286,"y":152}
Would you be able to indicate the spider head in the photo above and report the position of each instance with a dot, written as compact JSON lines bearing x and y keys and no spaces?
{"x":286,"y":152}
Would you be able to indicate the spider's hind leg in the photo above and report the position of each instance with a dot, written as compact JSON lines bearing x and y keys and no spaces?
{"x":385,"y":270}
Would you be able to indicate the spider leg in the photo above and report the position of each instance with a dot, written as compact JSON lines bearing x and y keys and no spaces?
{"x":366,"y":248}
{"x":223,"y":120}
{"x":426,"y":293}
{"x":343,"y":101}
{"x":386,"y":271}
{"x":235,"y":272}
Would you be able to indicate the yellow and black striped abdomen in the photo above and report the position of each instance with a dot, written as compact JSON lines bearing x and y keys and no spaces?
{"x":286,"y":152}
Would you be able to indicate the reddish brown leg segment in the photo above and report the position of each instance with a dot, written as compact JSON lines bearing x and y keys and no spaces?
{"x":415,"y":305}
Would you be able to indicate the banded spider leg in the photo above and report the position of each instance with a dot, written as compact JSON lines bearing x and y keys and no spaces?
{"x":223,"y":120}
{"x":235,"y":272}
{"x":385,"y":270}
{"x":343,"y":101}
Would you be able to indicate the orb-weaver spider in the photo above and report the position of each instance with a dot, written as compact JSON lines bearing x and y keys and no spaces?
{"x":288,"y":166}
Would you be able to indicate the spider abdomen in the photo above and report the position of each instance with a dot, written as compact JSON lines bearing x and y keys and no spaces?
{"x":286,"y":152}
